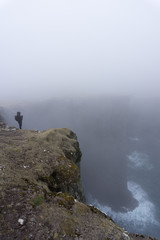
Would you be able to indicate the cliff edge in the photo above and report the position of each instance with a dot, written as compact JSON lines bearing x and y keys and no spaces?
{"x":41,"y":195}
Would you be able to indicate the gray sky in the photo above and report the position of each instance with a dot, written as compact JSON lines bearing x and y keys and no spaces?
{"x":79,"y":47}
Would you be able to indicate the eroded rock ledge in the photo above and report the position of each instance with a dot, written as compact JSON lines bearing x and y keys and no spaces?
{"x":41,"y":195}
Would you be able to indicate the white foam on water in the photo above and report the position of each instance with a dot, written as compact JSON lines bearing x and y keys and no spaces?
{"x":139,"y":218}
{"x":139,"y":160}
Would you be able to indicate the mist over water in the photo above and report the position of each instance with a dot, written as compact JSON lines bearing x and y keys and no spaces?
{"x":92,"y":66}
{"x":119,"y":139}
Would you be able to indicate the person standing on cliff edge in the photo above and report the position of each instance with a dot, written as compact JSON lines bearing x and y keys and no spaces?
{"x":19,"y":119}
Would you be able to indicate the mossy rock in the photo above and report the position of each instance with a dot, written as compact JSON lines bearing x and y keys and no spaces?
{"x":66,"y":172}
{"x":65,"y":200}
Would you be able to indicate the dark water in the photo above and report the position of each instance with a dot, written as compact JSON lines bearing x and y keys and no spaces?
{"x":143,"y":182}
{"x":120,"y":142}
{"x":143,"y":171}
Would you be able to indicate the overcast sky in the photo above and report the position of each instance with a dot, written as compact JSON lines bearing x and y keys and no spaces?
{"x":79,"y":47}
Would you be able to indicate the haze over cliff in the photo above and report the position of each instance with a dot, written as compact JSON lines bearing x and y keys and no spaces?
{"x":120,"y":149}
{"x":41,"y":190}
{"x":94,"y":67}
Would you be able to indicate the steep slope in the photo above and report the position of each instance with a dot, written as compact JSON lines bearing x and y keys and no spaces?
{"x":41,"y":195}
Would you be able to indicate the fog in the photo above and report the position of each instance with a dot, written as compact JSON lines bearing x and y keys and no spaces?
{"x":94,"y":67}
{"x":69,"y":48}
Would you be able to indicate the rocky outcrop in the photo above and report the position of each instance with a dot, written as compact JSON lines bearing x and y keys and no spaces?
{"x":102,"y":127}
{"x":41,"y":195}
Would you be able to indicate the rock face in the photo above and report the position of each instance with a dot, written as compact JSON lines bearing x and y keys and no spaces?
{"x":41,"y":196}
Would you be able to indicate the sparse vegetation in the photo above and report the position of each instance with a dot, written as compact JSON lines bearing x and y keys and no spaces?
{"x":39,"y":187}
{"x":38,"y":200}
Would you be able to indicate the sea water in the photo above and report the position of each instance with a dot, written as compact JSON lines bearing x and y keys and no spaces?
{"x":142,"y":178}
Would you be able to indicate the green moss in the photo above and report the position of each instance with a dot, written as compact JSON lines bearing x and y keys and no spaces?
{"x":65,"y":200}
{"x":38,"y":200}
{"x":67,"y":171}
{"x":51,"y":180}
{"x":55,"y":236}
{"x":61,"y":158}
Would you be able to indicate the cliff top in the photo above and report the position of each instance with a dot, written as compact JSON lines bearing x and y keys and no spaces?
{"x":41,"y":195}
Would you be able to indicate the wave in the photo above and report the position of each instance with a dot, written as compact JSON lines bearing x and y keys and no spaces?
{"x":138,"y":219}
{"x":139,"y":160}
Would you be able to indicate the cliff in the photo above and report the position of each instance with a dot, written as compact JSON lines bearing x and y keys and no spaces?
{"x":41,"y":195}
{"x":102,"y":128}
